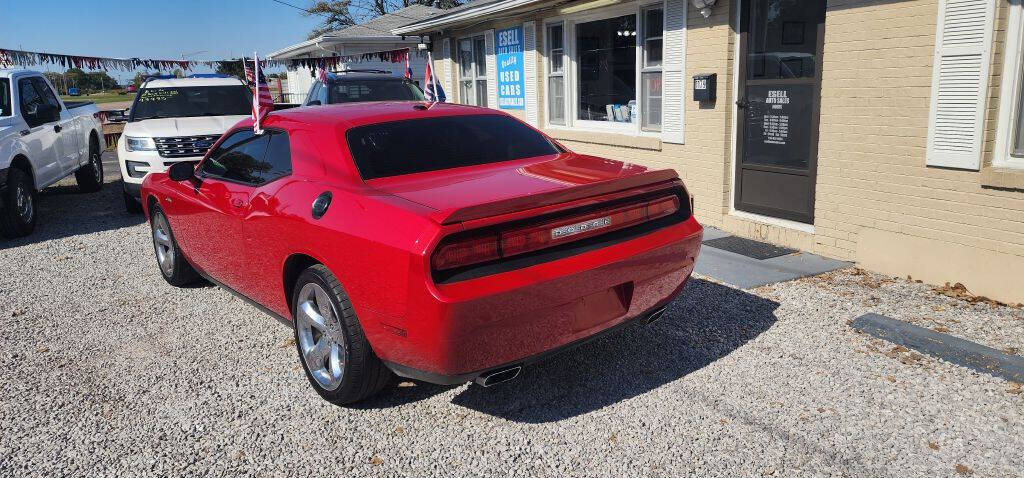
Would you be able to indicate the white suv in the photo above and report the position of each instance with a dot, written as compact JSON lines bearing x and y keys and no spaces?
{"x":174,"y":120}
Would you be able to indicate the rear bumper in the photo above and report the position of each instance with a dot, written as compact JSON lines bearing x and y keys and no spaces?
{"x":431,"y":377}
{"x":464,"y":329}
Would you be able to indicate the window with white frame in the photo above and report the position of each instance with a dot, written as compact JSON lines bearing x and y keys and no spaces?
{"x":650,"y":75}
{"x":556,"y":73}
{"x":1010,"y":129}
{"x":473,"y":71}
{"x":604,"y":69}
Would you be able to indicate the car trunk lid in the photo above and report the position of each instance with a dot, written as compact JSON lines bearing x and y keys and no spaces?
{"x":465,"y":194}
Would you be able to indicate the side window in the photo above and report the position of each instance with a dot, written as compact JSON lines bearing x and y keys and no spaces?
{"x":313,"y":93}
{"x":247,"y":158}
{"x":321,"y":94}
{"x":279,"y":157}
{"x":29,"y":100}
{"x":45,"y":92}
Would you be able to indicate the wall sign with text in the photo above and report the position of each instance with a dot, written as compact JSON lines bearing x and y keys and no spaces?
{"x":509,"y":56}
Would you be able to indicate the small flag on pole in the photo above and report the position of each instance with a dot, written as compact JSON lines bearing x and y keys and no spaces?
{"x":261,"y":102}
{"x":408,"y":69}
{"x":432,"y":90}
{"x":323,"y":72}
{"x":248,"y":74}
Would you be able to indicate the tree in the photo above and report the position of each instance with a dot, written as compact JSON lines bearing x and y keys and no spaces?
{"x":141,"y":76}
{"x":384,"y":7}
{"x":335,"y":13}
{"x":233,"y":68}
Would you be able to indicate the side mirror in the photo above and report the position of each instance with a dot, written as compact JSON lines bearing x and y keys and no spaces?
{"x":182,"y":171}
{"x":313,"y":103}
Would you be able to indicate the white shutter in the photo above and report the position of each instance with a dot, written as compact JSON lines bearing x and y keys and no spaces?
{"x":492,"y":70}
{"x":956,"y":123}
{"x":673,"y":77}
{"x":530,"y":71}
{"x":446,"y":80}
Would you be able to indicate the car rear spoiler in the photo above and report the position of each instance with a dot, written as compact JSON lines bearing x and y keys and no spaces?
{"x":504,"y":206}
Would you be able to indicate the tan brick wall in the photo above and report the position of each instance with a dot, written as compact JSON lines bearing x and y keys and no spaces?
{"x":875,"y":193}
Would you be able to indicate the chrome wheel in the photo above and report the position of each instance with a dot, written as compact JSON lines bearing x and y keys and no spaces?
{"x":163,"y":244}
{"x":23,"y":203}
{"x":97,"y":167}
{"x":321,"y":338}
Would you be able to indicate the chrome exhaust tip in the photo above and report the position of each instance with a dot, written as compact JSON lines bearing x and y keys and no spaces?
{"x":655,"y":316}
{"x":498,"y":376}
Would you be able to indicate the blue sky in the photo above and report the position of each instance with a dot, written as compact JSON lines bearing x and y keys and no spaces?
{"x":153,"y":29}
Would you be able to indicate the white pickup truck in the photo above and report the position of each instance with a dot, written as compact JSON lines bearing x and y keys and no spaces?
{"x":42,"y":140}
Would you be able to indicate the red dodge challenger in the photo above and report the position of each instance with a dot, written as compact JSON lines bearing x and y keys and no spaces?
{"x":439,"y":242}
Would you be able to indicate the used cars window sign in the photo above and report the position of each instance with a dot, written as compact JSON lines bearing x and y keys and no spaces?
{"x":431,"y":144}
{"x":178,"y":102}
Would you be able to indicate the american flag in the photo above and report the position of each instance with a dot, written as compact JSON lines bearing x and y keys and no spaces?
{"x":248,"y":74}
{"x":261,"y":102}
{"x":323,"y":72}
{"x":432,"y":90}
{"x":408,"y":69}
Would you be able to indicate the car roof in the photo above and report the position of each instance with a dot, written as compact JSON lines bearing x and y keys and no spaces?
{"x":351,"y":115}
{"x":187,"y":82}
{"x":362,"y":75}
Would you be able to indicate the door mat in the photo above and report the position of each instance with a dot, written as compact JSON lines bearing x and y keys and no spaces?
{"x":750,"y":248}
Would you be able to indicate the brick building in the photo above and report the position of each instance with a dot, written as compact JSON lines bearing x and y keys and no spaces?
{"x":886,"y":132}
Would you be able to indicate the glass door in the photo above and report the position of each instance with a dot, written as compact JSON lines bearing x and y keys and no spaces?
{"x":777,"y":140}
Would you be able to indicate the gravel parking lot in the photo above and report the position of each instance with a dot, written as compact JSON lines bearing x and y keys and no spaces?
{"x":108,"y":370}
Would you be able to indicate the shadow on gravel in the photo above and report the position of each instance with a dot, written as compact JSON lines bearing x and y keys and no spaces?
{"x":705,"y":323}
{"x":64,"y":211}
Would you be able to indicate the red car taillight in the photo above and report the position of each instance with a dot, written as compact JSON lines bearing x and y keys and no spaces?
{"x":506,"y":243}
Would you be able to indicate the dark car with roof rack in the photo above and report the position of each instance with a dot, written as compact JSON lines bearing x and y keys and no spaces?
{"x":352,"y":86}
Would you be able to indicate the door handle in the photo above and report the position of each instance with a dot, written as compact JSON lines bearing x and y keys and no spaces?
{"x":57,"y":128}
{"x":742,"y":103}
{"x":237,"y":202}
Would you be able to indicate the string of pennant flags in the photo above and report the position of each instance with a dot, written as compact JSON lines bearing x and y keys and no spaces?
{"x":9,"y":58}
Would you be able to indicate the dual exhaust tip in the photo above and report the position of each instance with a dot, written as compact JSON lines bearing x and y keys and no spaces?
{"x":656,"y":316}
{"x":508,"y":374}
{"x":498,"y":376}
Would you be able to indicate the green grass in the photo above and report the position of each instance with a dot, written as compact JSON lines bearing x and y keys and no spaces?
{"x":105,"y":97}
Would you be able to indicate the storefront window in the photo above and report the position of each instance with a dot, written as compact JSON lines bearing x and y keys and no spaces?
{"x":607,"y":69}
{"x":653,"y":27}
{"x":473,"y":71}
{"x":556,"y":74}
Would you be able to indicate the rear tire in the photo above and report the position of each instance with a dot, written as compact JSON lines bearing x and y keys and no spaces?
{"x":18,"y":213}
{"x":173,"y":266}
{"x":90,"y":176}
{"x":333,"y":350}
{"x":132,"y":205}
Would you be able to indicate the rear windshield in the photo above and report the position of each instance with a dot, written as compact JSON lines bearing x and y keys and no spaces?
{"x":192,"y":101}
{"x":350,"y":91}
{"x":5,"y":97}
{"x":430,"y":144}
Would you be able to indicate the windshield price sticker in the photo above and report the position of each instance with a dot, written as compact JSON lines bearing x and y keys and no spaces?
{"x":157,"y":94}
{"x":509,"y":52}
{"x":580,"y":227}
